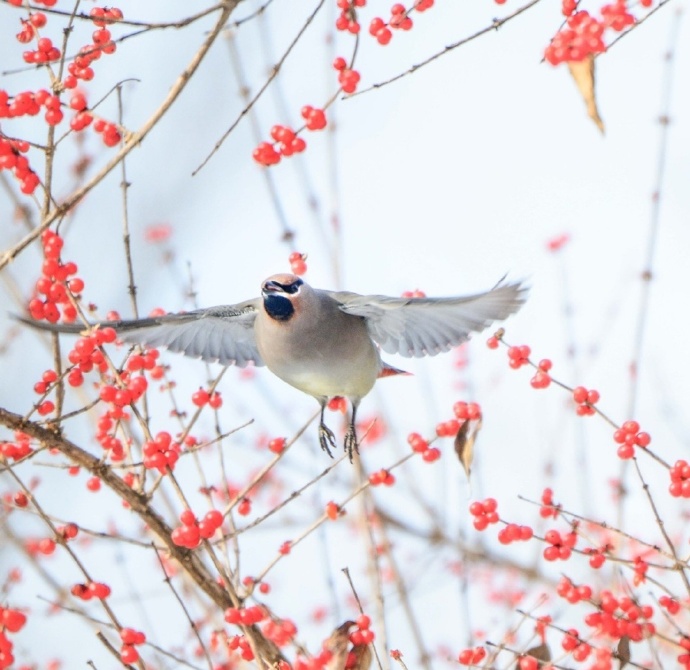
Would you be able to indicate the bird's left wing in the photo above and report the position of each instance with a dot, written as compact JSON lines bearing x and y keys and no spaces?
{"x":415,"y":327}
{"x":224,"y":334}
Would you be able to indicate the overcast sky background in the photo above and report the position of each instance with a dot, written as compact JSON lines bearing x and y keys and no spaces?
{"x":445,"y":180}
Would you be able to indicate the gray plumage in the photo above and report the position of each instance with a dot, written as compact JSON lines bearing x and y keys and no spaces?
{"x":324,"y":343}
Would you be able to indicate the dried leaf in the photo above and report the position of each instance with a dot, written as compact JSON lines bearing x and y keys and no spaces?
{"x":363,"y":657}
{"x":338,"y":644}
{"x":542,"y":653}
{"x":464,"y":445}
{"x":583,"y":74}
{"x":623,"y":651}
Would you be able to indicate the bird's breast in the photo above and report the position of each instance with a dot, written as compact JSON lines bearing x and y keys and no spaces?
{"x":321,"y":351}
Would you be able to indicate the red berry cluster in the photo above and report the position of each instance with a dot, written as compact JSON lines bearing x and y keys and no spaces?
{"x":333,"y":510}
{"x":129,"y":638}
{"x":298,"y":262}
{"x":548,"y":508}
{"x":629,"y":437}
{"x":484,"y":512}
{"x":467,"y":411}
{"x":18,"y":449}
{"x":382,"y":476}
{"x":472,"y":656}
{"x":680,"y":479}
{"x":572,"y":593}
{"x":362,"y":634}
{"x":617,"y":16}
{"x":622,"y":617}
{"x":581,"y":38}
{"x":560,"y":546}
{"x":45,"y":546}
{"x":80,"y":67}
{"x":421,"y":446}
{"x":399,"y":20}
{"x":281,"y":632}
{"x":245,"y":616}
{"x":132,"y":388}
{"x":347,"y":20}
{"x":585,"y":400}
{"x":518,"y":356}
{"x":542,"y":378}
{"x":55,"y":283}
{"x":671,"y":605}
{"x":68,"y":532}
{"x":203,"y":397}
{"x":515,"y":533}
{"x":11,"y":621}
{"x":347,"y":77}
{"x":87,"y":353}
{"x":12,"y":158}
{"x":161,"y":453}
{"x":240,"y":642}
{"x":45,"y":51}
{"x":338,"y":404}
{"x":111,"y":444}
{"x":448,"y":428}
{"x":572,"y":643}
{"x":90,"y":590}
{"x":684,"y":659}
{"x":597,"y":556}
{"x":192,"y":532}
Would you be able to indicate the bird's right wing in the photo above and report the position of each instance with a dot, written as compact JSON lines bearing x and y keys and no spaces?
{"x":415,"y":327}
{"x":224,"y":334}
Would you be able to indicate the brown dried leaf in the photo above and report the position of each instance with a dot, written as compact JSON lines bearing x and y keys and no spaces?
{"x":363,"y":657}
{"x":623,"y":651}
{"x":464,"y":445}
{"x":583,"y":74}
{"x":338,"y":644}
{"x":542,"y":653}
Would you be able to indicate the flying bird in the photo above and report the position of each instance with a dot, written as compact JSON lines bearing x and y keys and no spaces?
{"x":324,"y":343}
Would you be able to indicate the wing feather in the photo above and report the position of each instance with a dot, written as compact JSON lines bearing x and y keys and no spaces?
{"x":416,"y":327}
{"x":224,"y":334}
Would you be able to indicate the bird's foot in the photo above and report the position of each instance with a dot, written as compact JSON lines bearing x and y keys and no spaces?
{"x":326,"y":438}
{"x":351,"y":444}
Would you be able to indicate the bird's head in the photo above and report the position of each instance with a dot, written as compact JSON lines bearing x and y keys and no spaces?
{"x":279,"y":293}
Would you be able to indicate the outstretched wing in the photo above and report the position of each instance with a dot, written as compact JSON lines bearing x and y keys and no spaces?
{"x":415,"y":327}
{"x":224,"y":333}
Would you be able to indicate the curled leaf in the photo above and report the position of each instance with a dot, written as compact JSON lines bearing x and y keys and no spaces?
{"x":583,"y":74}
{"x":464,"y":445}
{"x":623,"y":651}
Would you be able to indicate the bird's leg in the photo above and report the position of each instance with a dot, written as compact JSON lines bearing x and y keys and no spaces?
{"x":326,"y":436}
{"x":351,"y":444}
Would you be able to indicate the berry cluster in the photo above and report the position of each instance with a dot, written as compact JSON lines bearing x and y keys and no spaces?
{"x":399,"y":20}
{"x":629,"y":437}
{"x":162,"y":453}
{"x":245,"y":616}
{"x":515,"y":533}
{"x":680,"y":479}
{"x":421,"y":446}
{"x":298,"y":262}
{"x":472,"y":656}
{"x":12,"y":158}
{"x":548,"y":508}
{"x":120,"y":396}
{"x":129,"y":638}
{"x":90,"y":590}
{"x":55,"y":283}
{"x":585,"y":400}
{"x":347,"y":19}
{"x":241,"y":643}
{"x":542,"y":378}
{"x":18,"y":449}
{"x":203,"y":397}
{"x":572,"y":593}
{"x":362,"y":634}
{"x":87,"y":353}
{"x":281,"y":632}
{"x":560,"y":546}
{"x":11,"y":621}
{"x":382,"y":476}
{"x":347,"y":77}
{"x":80,"y":67}
{"x":192,"y":532}
{"x":621,"y":617}
{"x":517,"y":355}
{"x":484,"y":512}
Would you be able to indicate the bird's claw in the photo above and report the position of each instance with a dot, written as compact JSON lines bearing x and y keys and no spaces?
{"x":326,"y":438}
{"x":351,"y":445}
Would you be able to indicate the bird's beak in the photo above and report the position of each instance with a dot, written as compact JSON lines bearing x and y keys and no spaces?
{"x":271,"y":287}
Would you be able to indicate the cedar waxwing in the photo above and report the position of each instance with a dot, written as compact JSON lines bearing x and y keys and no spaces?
{"x":324,"y":343}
